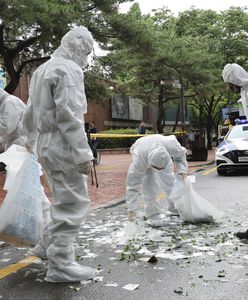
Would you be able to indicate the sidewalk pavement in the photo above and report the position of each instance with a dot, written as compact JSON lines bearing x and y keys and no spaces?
{"x":111,"y":175}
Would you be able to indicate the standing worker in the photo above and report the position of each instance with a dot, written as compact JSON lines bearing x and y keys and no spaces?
{"x":54,"y":121}
{"x":11,"y":133}
{"x":11,"y":115}
{"x":237,"y":78}
{"x":151,"y":172}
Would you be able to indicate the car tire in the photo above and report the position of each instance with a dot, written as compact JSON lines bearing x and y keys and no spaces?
{"x":221,"y":172}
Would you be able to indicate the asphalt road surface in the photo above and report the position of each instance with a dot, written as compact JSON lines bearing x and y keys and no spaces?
{"x":204,"y":261}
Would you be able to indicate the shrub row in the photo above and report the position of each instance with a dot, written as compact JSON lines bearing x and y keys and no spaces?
{"x":113,"y":143}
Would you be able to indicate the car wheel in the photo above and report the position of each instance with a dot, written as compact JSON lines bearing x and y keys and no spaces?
{"x":221,"y":172}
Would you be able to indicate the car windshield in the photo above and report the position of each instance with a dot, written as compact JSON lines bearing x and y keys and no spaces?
{"x":238,"y":132}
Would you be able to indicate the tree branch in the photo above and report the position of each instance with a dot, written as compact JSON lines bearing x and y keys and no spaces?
{"x":24,"y":44}
{"x":179,"y":97}
{"x":30,"y":61}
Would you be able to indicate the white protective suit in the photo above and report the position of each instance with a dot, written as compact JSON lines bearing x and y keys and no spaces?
{"x":235,"y":74}
{"x":142,"y":179}
{"x":11,"y":114}
{"x":55,"y":118}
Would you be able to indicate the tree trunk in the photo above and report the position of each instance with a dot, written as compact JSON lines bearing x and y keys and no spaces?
{"x":13,"y":83}
{"x":177,"y":117}
{"x":209,"y":137}
{"x":201,"y":135}
{"x":209,"y":130}
{"x":14,"y":76}
{"x":161,"y":115}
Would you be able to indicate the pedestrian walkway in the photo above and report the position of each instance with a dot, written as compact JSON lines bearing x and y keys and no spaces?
{"x":111,"y":175}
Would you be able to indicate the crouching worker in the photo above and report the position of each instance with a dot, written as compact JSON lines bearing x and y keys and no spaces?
{"x":151,"y":173}
{"x":54,"y":123}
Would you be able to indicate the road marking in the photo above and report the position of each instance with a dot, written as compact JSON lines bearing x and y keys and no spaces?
{"x":209,"y":171}
{"x":18,"y":266}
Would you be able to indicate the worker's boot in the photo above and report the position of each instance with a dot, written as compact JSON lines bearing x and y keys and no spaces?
{"x":61,"y":262}
{"x":171,"y":207}
{"x":173,"y":210}
{"x":156,"y":220}
{"x":39,"y":251}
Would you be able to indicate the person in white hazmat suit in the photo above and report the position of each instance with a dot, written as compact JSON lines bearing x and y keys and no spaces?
{"x":55,"y":119}
{"x":237,"y":78}
{"x":151,"y":172}
{"x":11,"y":133}
{"x":11,"y":115}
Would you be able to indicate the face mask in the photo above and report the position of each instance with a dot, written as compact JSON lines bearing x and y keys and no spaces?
{"x":80,"y":58}
{"x":234,"y":88}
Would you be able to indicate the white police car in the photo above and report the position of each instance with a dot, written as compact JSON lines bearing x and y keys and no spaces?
{"x":232,"y":152}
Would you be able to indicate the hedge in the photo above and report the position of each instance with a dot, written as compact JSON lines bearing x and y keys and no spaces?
{"x":112,"y":143}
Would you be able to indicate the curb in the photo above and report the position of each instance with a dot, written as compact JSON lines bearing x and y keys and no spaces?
{"x":205,"y":164}
{"x":111,"y":204}
{"x":122,"y":199}
{"x":114,"y":151}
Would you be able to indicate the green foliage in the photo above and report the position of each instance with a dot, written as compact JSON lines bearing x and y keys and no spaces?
{"x":192,"y":47}
{"x":118,"y":142}
{"x":31,"y":29}
{"x":113,"y":143}
{"x":121,"y":131}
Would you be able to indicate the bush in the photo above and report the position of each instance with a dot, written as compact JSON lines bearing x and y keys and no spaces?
{"x":118,"y":142}
{"x":112,"y":143}
{"x":121,"y":131}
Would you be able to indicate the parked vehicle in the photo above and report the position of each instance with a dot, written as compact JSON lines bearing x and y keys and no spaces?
{"x":232,"y":152}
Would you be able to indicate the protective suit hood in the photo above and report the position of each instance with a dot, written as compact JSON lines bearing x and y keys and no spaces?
{"x":159,"y":157}
{"x":76,"y":45}
{"x":3,"y":94}
{"x":235,"y":74}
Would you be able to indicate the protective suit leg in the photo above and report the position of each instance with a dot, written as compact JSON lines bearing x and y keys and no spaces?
{"x":168,"y":180}
{"x":171,"y":208}
{"x":40,"y":249}
{"x":133,"y":188}
{"x":62,"y":265}
{"x":150,"y":189}
{"x":69,"y":208}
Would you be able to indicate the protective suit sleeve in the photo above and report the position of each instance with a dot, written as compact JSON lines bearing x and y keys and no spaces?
{"x":179,"y":156}
{"x":70,"y":101}
{"x":10,"y":117}
{"x":29,"y":127}
{"x":133,"y":185}
{"x":244,"y":99}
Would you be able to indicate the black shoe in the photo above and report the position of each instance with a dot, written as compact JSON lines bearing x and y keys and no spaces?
{"x":242,"y":235}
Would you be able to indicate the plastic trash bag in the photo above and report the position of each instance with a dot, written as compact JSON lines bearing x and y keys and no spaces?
{"x":21,"y":217}
{"x":191,"y":207}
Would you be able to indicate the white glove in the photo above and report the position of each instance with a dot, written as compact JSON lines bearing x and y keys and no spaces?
{"x":132,"y":216}
{"x":85,"y":168}
{"x":183,"y":176}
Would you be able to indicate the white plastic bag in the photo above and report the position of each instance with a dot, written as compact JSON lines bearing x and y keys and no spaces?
{"x":190,"y":205}
{"x":21,"y":212}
